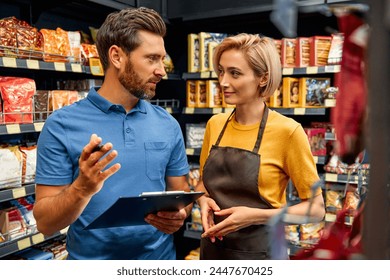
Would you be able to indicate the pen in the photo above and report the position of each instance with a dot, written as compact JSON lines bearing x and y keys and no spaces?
{"x":97,"y":148}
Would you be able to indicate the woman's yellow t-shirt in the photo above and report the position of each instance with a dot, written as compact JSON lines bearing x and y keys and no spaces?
{"x":285,"y":153}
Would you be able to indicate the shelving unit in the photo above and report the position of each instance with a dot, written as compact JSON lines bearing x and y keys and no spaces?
{"x":13,"y":246}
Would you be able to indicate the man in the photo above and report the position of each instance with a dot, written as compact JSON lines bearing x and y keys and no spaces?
{"x":77,"y":181}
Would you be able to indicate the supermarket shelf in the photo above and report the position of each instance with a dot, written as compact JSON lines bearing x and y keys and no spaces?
{"x":33,"y":64}
{"x":21,"y":128}
{"x":320,"y":111}
{"x":286,"y":71}
{"x":14,"y":193}
{"x":311,"y":70}
{"x":9,"y":247}
{"x":343,"y":178}
{"x":199,"y":75}
{"x":206,"y":111}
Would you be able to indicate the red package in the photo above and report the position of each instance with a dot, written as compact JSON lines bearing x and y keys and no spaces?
{"x":17,"y":95}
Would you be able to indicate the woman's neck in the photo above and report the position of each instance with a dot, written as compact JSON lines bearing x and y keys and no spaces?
{"x":248,"y":114}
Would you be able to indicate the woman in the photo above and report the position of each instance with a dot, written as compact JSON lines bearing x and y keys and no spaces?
{"x":242,"y":191}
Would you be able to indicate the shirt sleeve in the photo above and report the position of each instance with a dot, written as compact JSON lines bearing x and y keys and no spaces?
{"x":54,"y":166}
{"x":300,"y":163}
{"x":178,"y":163}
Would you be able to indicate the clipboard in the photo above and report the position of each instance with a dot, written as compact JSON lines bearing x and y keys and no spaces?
{"x":130,"y":211}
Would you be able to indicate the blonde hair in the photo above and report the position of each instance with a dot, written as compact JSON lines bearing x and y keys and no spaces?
{"x":261,"y":55}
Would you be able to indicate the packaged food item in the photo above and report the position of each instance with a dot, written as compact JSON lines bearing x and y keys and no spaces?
{"x":193,"y":53}
{"x":11,"y":166}
{"x":56,"y":45}
{"x":313,"y":91}
{"x":205,"y":38}
{"x":88,"y":51}
{"x":319,"y":50}
{"x":200,"y":94}
{"x":191,"y":93}
{"x":302,"y":53}
{"x":19,"y":39}
{"x":17,"y":95}
{"x":41,"y":105}
{"x":29,"y":163}
{"x":214,"y":93}
{"x":291,"y":97}
{"x":288,"y":52}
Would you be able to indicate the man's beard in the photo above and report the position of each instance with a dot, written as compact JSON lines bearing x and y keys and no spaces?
{"x":133,"y":83}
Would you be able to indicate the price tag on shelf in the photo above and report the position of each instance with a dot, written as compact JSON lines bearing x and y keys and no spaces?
{"x":330,"y":217}
{"x":38,"y":238}
{"x":32,"y":64}
{"x":96,"y":67}
{"x":217,"y":110}
{"x":312,"y":70}
{"x":189,"y":110}
{"x":288,"y":71}
{"x":331,"y":177}
{"x":76,"y":68}
{"x":315,"y":159}
{"x":38,"y":126}
{"x":332,"y":68}
{"x":24,"y":243}
{"x":190,"y":151}
{"x":9,"y":62}
{"x":18,"y":192}
{"x":169,"y":110}
{"x":59,"y":66}
{"x":13,"y":128}
{"x":299,"y":111}
{"x":204,"y":75}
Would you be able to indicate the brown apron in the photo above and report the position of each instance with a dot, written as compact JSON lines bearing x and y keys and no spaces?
{"x":231,"y":178}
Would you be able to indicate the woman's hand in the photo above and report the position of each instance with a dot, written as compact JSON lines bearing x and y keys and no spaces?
{"x":237,"y":218}
{"x":207,"y":208}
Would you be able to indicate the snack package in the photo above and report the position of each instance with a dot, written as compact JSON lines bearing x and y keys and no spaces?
{"x":313,"y":91}
{"x":193,"y":53}
{"x":205,"y":38}
{"x":41,"y":105}
{"x":19,"y":39}
{"x":214,"y":93}
{"x":17,"y":95}
{"x":302,"y":53}
{"x":201,"y":94}
{"x":291,"y":96}
{"x":191,"y":93}
{"x":319,"y":50}
{"x":56,"y":45}
{"x":195,"y":135}
{"x":29,"y":163}
{"x":288,"y":52}
{"x":11,"y":166}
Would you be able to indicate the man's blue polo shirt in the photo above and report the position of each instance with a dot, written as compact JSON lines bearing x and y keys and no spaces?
{"x":150,"y":147}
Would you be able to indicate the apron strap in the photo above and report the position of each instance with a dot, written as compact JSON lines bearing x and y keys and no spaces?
{"x":261,"y":129}
{"x":224,"y":127}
